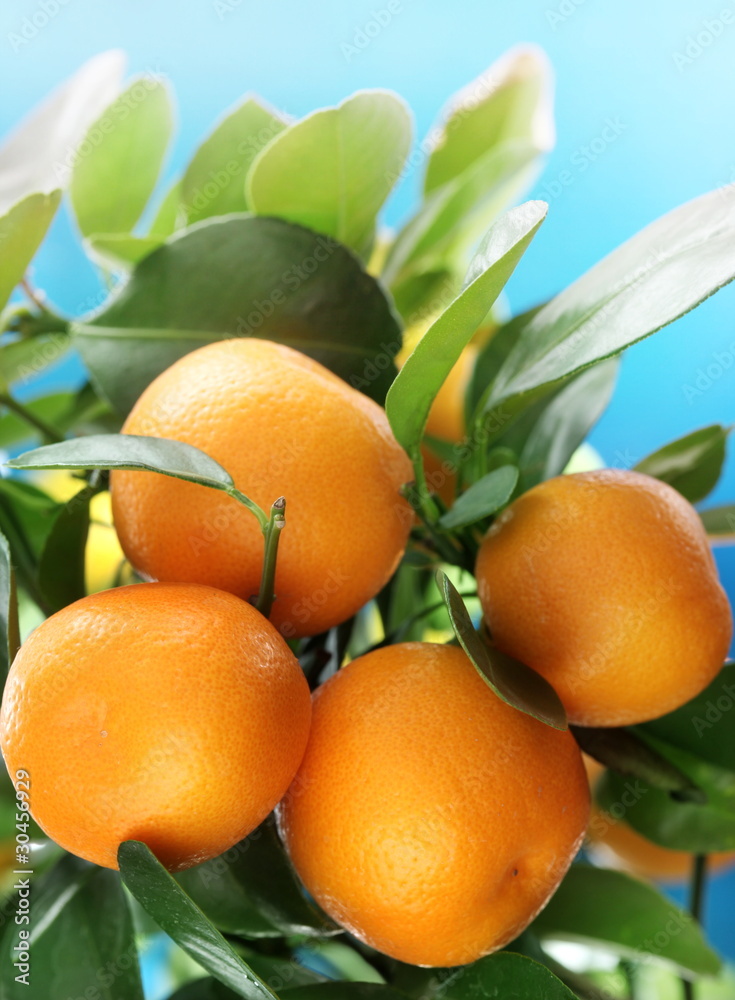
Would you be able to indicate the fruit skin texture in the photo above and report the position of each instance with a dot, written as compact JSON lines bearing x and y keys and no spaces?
{"x":281,"y":424}
{"x":604,"y":583}
{"x":420,"y":796}
{"x":174,"y":714}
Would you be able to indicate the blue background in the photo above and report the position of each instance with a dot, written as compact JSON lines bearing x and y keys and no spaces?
{"x":614,"y":59}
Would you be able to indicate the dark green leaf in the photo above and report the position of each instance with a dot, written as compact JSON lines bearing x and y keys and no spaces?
{"x":719,"y":522}
{"x":483,"y":498}
{"x":625,"y":752}
{"x":491,"y":359}
{"x":648,"y":282}
{"x":26,"y":517}
{"x":565,"y":422}
{"x":425,"y":370}
{"x":342,"y":991}
{"x":129,"y":451}
{"x":628,"y":917}
{"x":9,"y":628}
{"x":81,"y":941}
{"x":682,"y":826}
{"x":121,"y":157}
{"x":264,"y":278}
{"x":512,"y":681}
{"x":333,"y":170}
{"x":705,"y":726}
{"x":505,"y":975}
{"x":163,"y":899}
{"x":252,"y":891}
{"x":214,"y":181}
{"x":692,"y":464}
{"x":61,"y":568}
{"x":21,"y":233}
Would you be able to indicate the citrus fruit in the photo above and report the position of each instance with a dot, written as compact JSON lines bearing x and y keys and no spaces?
{"x":428,"y":817}
{"x":174,"y":714}
{"x":281,"y":424}
{"x":604,"y":583}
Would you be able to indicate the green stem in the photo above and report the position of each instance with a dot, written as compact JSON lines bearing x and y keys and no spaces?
{"x":271,"y":535}
{"x":46,"y":430}
{"x":251,"y":506}
{"x":697,"y":886}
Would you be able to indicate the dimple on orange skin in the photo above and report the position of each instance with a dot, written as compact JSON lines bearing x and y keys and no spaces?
{"x":428,"y":817}
{"x":282,"y":425}
{"x":174,"y":714}
{"x":604,"y":582}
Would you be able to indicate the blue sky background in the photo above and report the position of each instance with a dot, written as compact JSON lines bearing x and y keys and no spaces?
{"x":637,"y":64}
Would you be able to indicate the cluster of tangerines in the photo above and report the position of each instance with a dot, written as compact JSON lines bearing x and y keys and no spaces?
{"x":427,"y":816}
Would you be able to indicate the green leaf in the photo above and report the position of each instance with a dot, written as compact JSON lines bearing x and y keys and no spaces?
{"x":511,"y":100}
{"x":26,"y":517}
{"x":419,"y":380}
{"x":121,"y":157}
{"x":81,"y":937}
{"x":264,"y":278}
{"x":49,"y":409}
{"x":252,"y":891}
{"x":120,"y":251}
{"x":630,"y":755}
{"x":512,"y":681}
{"x":22,"y":360}
{"x":61,"y":567}
{"x":21,"y":231}
{"x":682,"y":826}
{"x":503,"y":975}
{"x":657,"y":276}
{"x":170,"y":215}
{"x":703,"y":726}
{"x":131,"y":451}
{"x":483,"y":498}
{"x":630,"y":918}
{"x":692,"y":464}
{"x":38,"y":154}
{"x":342,"y":991}
{"x":175,"y":913}
{"x":333,"y":170}
{"x":719,"y":522}
{"x":565,"y":422}
{"x":9,"y":627}
{"x":214,"y":181}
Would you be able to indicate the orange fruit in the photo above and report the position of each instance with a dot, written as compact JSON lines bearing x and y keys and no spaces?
{"x":614,"y":844}
{"x":428,"y":817}
{"x":604,"y":583}
{"x":174,"y":714}
{"x":281,"y":424}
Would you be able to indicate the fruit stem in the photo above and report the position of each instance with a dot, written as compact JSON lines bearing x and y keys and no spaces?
{"x":46,"y":430}
{"x":271,"y":534}
{"x":697,"y":885}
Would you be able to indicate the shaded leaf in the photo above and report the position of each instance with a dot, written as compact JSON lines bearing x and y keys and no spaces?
{"x":9,"y":627}
{"x":21,"y":233}
{"x":719,"y":522}
{"x":631,"y":918}
{"x":333,"y":170}
{"x":504,"y":975}
{"x":61,"y":575}
{"x":214,"y":181}
{"x":692,"y":464}
{"x":121,"y":157}
{"x":264,"y":278}
{"x":512,"y":681}
{"x":342,"y":991}
{"x":483,"y":498}
{"x":174,"y":912}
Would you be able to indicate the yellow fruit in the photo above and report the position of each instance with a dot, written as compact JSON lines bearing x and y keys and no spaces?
{"x":174,"y":714}
{"x":428,"y":817}
{"x":281,"y":424}
{"x":604,"y":583}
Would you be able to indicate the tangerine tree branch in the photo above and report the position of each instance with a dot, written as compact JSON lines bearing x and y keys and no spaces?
{"x":271,"y":535}
{"x":696,"y":904}
{"x":50,"y":435}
